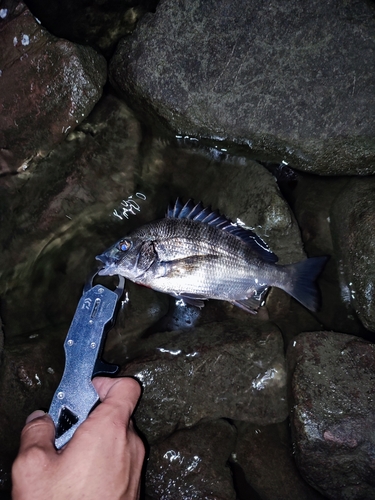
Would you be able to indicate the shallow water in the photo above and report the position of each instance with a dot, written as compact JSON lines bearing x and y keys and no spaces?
{"x":113,"y":174}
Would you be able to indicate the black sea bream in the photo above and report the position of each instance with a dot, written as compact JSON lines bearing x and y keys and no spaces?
{"x":197,"y":254}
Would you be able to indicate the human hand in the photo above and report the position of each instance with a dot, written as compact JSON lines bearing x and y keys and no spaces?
{"x":103,"y":460}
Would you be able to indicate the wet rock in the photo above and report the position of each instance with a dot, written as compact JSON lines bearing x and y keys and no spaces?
{"x":353,"y":230}
{"x":1,"y":340}
{"x":99,"y":24}
{"x":313,"y":197}
{"x":192,"y":464}
{"x":290,"y":82}
{"x":144,"y":308}
{"x":5,"y":477}
{"x":48,"y":86}
{"x":264,"y":453}
{"x":29,"y":374}
{"x":333,"y":419}
{"x":312,"y":200}
{"x":240,"y":365}
{"x":55,"y":219}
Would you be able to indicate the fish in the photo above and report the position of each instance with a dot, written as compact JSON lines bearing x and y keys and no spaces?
{"x":195,"y":254}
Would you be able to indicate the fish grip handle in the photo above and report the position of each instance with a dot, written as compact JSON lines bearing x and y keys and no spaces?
{"x":76,"y":396}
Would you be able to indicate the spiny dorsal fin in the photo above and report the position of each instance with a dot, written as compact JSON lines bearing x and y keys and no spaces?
{"x":198,"y":212}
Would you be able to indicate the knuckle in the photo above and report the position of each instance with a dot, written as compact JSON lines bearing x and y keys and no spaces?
{"x":19,"y":465}
{"x":33,"y":455}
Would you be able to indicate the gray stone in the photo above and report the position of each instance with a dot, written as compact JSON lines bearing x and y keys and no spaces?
{"x":1,"y":340}
{"x":290,"y":81}
{"x":47,"y":87}
{"x":60,"y":215}
{"x":266,"y":458}
{"x":353,"y":232}
{"x":312,"y":201}
{"x":332,"y":419}
{"x":232,"y":369}
{"x":29,"y":374}
{"x":192,"y":464}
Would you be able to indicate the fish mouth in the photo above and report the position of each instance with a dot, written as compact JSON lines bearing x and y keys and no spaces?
{"x":109,"y":268}
{"x":103,"y":258}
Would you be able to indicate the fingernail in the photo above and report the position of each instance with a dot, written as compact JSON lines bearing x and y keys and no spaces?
{"x":35,"y":414}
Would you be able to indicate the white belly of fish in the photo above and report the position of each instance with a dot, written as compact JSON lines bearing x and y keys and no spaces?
{"x":211,"y":277}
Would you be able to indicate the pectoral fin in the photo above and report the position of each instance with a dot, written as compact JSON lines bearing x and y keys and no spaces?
{"x":180,"y":267}
{"x":181,"y":270}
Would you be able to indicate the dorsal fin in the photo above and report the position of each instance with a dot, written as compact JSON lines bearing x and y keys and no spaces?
{"x":213,"y":218}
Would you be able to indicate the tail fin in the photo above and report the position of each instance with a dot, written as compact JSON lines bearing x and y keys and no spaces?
{"x":303,"y":276}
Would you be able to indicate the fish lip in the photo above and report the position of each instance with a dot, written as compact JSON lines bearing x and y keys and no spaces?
{"x":109,"y":267}
{"x":110,"y":270}
{"x":102,"y":258}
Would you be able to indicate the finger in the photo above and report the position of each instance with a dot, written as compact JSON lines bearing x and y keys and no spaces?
{"x":40,"y":431}
{"x":118,"y":390}
{"x":119,"y":397}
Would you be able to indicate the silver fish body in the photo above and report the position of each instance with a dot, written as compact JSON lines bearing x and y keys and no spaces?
{"x":196,"y":254}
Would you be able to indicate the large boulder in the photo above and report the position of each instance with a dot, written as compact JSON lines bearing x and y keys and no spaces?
{"x":56,"y":218}
{"x":265,"y":456}
{"x":287,"y":80}
{"x":353,"y":233}
{"x":325,"y":231}
{"x":240,"y":365}
{"x":47,"y":87}
{"x":332,"y":415}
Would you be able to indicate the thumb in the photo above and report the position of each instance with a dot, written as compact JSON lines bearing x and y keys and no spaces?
{"x":35,"y":414}
{"x":119,"y":394}
{"x":39,"y":431}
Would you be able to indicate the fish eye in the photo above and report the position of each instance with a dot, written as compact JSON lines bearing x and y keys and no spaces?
{"x":124,"y":245}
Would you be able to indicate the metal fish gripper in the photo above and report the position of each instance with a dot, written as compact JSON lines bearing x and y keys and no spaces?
{"x":76,"y":396}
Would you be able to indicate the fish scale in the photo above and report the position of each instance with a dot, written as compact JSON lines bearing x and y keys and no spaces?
{"x":196,"y":254}
{"x":194,"y":238}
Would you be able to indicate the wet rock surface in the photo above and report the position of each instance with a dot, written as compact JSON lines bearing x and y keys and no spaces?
{"x":29,"y":374}
{"x":289,"y":81}
{"x":264,"y":453}
{"x":312,"y":200}
{"x":193,"y":464}
{"x":332,"y":417}
{"x":64,"y":212}
{"x":353,"y":230}
{"x":47,"y":86}
{"x":240,"y":364}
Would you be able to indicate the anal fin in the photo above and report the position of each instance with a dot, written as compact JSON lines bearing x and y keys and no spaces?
{"x":249,"y":305}
{"x":253,"y":303}
{"x":192,"y":299}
